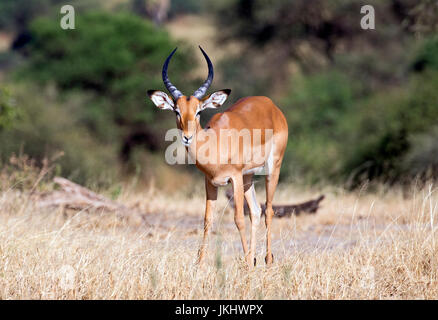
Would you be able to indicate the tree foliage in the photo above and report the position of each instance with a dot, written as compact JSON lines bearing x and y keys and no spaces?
{"x":356,"y":100}
{"x":350,"y":137}
{"x":116,"y":56}
{"x":8,"y":112}
{"x":114,"y":59}
{"x":361,"y":104}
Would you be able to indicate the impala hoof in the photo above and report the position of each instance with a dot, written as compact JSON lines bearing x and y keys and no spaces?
{"x":255,"y":262}
{"x":269,"y":261}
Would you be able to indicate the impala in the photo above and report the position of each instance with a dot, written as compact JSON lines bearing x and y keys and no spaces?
{"x":251,"y":115}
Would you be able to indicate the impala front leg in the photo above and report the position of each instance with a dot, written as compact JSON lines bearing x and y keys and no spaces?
{"x":239,"y":217}
{"x":211,"y":195}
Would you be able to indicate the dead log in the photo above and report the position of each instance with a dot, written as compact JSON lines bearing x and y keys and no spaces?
{"x":280,"y":211}
{"x":76,"y":197}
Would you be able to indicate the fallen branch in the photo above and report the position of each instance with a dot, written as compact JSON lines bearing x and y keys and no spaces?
{"x":280,"y":211}
{"x":75,"y":197}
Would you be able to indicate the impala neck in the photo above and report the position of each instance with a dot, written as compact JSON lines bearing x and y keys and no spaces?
{"x":192,"y":148}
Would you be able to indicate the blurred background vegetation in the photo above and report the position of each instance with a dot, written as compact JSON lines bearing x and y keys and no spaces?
{"x":362,"y":105}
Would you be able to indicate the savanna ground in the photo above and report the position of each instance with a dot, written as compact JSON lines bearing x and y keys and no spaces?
{"x":361,"y":245}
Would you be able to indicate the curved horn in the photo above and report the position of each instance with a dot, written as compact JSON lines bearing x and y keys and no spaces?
{"x":203,"y":89}
{"x":172,"y":89}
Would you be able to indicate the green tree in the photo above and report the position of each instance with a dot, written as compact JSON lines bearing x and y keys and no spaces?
{"x":48,"y":128}
{"x":115,"y":58}
{"x":317,"y":109}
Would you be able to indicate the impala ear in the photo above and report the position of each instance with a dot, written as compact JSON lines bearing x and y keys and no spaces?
{"x":216,"y":99}
{"x":161,"y":99}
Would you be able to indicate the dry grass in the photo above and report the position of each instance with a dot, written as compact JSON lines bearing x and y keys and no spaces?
{"x":359,"y":246}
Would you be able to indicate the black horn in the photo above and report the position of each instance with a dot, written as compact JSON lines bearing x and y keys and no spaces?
{"x":172,"y":89}
{"x":203,"y":89}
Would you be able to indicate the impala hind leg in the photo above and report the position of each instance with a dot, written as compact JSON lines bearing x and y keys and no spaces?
{"x":239,"y":217}
{"x":271,"y":185}
{"x":211,"y":195}
{"x":255,"y":213}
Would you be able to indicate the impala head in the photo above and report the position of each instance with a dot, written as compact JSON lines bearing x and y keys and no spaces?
{"x":188,"y":109}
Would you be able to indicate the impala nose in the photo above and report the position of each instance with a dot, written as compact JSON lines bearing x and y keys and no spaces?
{"x":187,"y":140}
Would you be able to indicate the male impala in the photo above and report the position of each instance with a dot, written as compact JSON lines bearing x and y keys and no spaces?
{"x":251,"y":115}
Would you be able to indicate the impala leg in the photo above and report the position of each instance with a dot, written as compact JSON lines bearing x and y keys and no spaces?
{"x":239,"y":217}
{"x":211,"y":193}
{"x":271,"y":185}
{"x":255,"y":213}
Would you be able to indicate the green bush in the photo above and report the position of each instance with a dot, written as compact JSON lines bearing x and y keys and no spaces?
{"x":422,"y":159}
{"x":427,"y":56}
{"x":338,"y":135}
{"x":47,"y":129}
{"x":95,"y":79}
{"x":316,"y":109}
{"x":385,"y":127}
{"x":8,"y":112}
{"x":115,"y":57}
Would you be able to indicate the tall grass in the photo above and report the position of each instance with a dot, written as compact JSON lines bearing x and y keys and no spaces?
{"x":358,"y":246}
